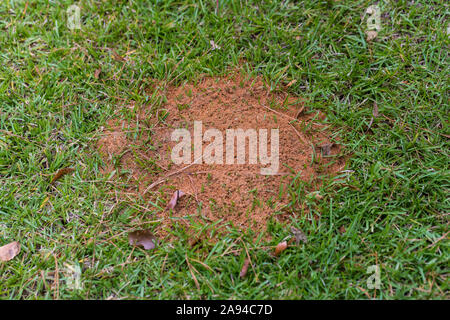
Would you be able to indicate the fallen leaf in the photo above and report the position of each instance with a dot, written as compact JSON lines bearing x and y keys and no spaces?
{"x":244,"y":268}
{"x":342,"y":229}
{"x":299,"y":235}
{"x":9,"y":251}
{"x":326,"y":149}
{"x":97,"y":73}
{"x":142,"y":238}
{"x":60,"y":173}
{"x":173,"y":201}
{"x":372,"y":34}
{"x":280,"y":248}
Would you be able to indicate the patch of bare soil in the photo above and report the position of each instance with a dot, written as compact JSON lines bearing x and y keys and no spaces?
{"x":236,"y":193}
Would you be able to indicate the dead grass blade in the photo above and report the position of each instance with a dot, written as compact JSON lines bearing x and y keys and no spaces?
{"x":60,"y":173}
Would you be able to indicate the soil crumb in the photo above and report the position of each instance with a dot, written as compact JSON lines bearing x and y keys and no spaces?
{"x":139,"y":150}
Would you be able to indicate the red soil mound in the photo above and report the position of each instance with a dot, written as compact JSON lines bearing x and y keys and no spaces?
{"x":236,"y":193}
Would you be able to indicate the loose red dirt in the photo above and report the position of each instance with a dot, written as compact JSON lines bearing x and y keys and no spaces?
{"x":238,"y":194}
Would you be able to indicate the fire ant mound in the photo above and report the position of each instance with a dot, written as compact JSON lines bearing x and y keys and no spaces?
{"x":234,"y":149}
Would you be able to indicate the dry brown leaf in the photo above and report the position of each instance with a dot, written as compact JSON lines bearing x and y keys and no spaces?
{"x":244,"y":268}
{"x":61,"y":172}
{"x":9,"y":251}
{"x":173,"y":201}
{"x":372,"y":34}
{"x":280,"y":248}
{"x":299,"y":235}
{"x":342,"y":229}
{"x":97,"y":73}
{"x":142,"y":238}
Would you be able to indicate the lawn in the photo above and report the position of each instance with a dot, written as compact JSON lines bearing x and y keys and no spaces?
{"x":385,"y":215}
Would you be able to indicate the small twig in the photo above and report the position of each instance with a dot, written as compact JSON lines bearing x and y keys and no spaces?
{"x":287,"y":116}
{"x":56,"y":280}
{"x":193,"y":188}
{"x":203,"y":264}
{"x":279,"y":113}
{"x":170,"y":174}
{"x":240,"y":173}
{"x":18,"y":136}
{"x":250,"y":260}
{"x":163,"y":265}
{"x":298,"y":133}
{"x":441,"y":238}
{"x":442,"y":134}
{"x":365,"y":292}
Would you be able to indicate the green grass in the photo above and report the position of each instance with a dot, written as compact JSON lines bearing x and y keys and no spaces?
{"x":392,"y":200}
